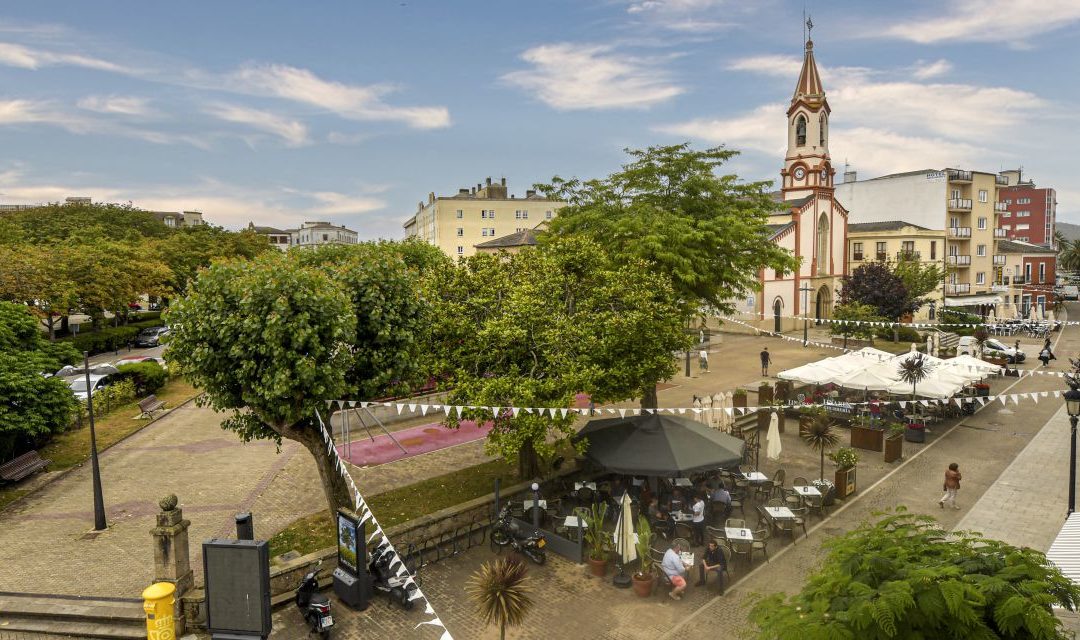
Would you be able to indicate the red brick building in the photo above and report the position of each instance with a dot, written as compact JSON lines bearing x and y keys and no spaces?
{"x":1031,"y":212}
{"x":1027,"y":277}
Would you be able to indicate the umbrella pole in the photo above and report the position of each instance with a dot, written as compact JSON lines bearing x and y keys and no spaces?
{"x":621,"y":580}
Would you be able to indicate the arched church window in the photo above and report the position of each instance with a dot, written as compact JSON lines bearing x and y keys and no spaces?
{"x":821,"y":130}
{"x":823,"y":252}
{"x":800,"y":131}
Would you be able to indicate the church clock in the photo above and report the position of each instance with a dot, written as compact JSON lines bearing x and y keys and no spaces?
{"x":800,"y":173}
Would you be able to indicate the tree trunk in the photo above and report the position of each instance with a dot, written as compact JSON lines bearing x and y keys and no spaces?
{"x":528,"y":462}
{"x":823,"y":463}
{"x":648,"y":397}
{"x":334,"y":485}
{"x":502,"y":630}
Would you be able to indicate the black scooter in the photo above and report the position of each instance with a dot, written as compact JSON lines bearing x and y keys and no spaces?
{"x":384,"y":578}
{"x":314,"y":606}
{"x":506,"y":532}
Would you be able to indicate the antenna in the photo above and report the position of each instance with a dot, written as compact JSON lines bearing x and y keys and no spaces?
{"x":804,"y":24}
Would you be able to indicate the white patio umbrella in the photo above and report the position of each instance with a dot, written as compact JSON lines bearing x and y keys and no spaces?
{"x":699,"y":415}
{"x":625,"y":539}
{"x":719,"y":402}
{"x":773,"y":447}
{"x":707,"y":410}
{"x":929,"y":344}
{"x":1050,"y":317}
{"x":877,"y":376}
{"x":1033,"y":312}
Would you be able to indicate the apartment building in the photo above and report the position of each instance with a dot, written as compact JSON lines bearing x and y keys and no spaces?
{"x":962,"y":206}
{"x":1031,"y":212}
{"x":177,"y":219}
{"x":1028,"y":275}
{"x":313,"y":234}
{"x":473,"y":216}
{"x":896,"y":240}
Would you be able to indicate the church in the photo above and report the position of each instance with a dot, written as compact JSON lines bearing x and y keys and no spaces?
{"x":812,"y":224}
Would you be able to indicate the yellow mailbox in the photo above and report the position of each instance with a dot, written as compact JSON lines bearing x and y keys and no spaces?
{"x":158,"y":605}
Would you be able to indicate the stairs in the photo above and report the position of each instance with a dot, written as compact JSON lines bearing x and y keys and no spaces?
{"x":72,"y":616}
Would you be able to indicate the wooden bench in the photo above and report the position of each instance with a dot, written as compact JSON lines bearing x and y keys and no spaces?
{"x":23,"y":466}
{"x":149,"y":405}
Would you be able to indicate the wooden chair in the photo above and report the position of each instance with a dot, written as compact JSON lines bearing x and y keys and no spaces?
{"x":778,"y":480}
{"x":800,"y":520}
{"x":741,"y":548}
{"x":800,"y":481}
{"x":793,"y":498}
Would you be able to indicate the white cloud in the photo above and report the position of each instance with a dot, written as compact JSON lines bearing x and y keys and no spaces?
{"x":17,"y":55}
{"x":926,"y":70}
{"x":122,"y":105}
{"x":293,"y":132}
{"x":353,"y":102}
{"x":570,"y":76}
{"x":761,"y":130}
{"x":676,"y":6}
{"x":19,"y":112}
{"x":1012,"y":21}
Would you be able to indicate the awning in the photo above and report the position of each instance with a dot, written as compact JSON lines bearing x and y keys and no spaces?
{"x":1065,"y":552}
{"x":967,"y":301}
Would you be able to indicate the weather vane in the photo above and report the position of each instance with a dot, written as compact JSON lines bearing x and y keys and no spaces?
{"x":809,"y":26}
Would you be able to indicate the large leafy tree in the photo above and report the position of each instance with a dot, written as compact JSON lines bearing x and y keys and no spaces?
{"x":673,"y":208}
{"x":31,"y":406}
{"x":188,"y":249}
{"x":39,"y":276}
{"x":55,"y":223}
{"x":906,"y":577}
{"x":920,"y":280}
{"x":874,"y":284}
{"x":536,"y":328}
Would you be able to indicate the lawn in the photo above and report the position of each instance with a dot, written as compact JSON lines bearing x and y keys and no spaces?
{"x":316,"y":531}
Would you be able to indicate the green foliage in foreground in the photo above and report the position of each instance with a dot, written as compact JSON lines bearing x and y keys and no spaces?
{"x":905,"y":577}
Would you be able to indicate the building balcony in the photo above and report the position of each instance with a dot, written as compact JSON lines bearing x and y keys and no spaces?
{"x":957,"y":288}
{"x":1001,"y":181}
{"x":1001,"y":233}
{"x":959,"y":232}
{"x":1001,"y":207}
{"x":959,"y":260}
{"x":1015,"y":280}
{"x":999,"y":288}
{"x":999,"y":260}
{"x":960,"y":204}
{"x":907,"y":255}
{"x":956,"y":175}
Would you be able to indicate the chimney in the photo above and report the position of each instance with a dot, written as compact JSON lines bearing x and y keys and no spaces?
{"x":849,"y":176}
{"x":474,"y":191}
{"x":431,"y":197}
{"x":530,"y":193}
{"x":489,"y":181}
{"x":504,"y":182}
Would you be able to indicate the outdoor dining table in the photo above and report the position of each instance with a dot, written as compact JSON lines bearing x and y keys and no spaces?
{"x":780,"y":513}
{"x":571,"y":522}
{"x":681,"y":516}
{"x":587,"y":485}
{"x":740,"y":535}
{"x":755,"y":476}
{"x":529,"y":504}
{"x":807,"y":491}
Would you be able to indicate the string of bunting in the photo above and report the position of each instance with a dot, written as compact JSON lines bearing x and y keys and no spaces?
{"x":783,"y":337}
{"x":878,"y":323}
{"x":365,"y":514}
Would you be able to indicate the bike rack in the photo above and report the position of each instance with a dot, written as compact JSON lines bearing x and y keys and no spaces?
{"x":447,"y":544}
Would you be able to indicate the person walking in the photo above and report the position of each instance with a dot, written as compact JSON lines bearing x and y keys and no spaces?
{"x":1047,"y":354}
{"x":713,"y":560}
{"x":766,"y":360}
{"x":703,"y":360}
{"x":951,"y":486}
{"x":675,"y":569}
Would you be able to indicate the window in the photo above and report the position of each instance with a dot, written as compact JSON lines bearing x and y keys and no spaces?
{"x":980,"y":278}
{"x":460,"y":232}
{"x":1042,"y":272}
{"x":981,"y":250}
{"x":821,"y":130}
{"x":483,"y":214}
{"x":1023,"y":201}
{"x":982,"y":195}
{"x":1007,"y":227}
{"x":1027,"y":272}
{"x":908,"y":246}
{"x":325,"y":237}
{"x":856,"y":251}
{"x":1021,"y":227}
{"x":547,"y":214}
{"x":460,"y":214}
{"x":460,"y":250}
{"x":1023,"y":214}
{"x":1023,"y":239}
{"x":1006,"y":214}
{"x":483,"y":232}
{"x":800,"y":131}
{"x":491,"y":232}
{"x":933,"y":249}
{"x":882,"y":254}
{"x":170,"y":222}
{"x":982,"y":223}
{"x":955,"y":194}
{"x":954,"y":222}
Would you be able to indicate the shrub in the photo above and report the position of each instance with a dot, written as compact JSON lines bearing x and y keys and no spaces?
{"x":111,"y":339}
{"x":110,"y":398}
{"x":907,"y":334}
{"x":147,"y":377}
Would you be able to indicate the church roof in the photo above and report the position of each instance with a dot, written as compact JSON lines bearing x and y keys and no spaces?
{"x":777,"y":229}
{"x":890,"y":225}
{"x":778,"y":196}
{"x":809,"y":87}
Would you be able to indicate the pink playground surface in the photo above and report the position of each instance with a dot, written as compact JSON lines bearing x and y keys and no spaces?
{"x":416,"y":440}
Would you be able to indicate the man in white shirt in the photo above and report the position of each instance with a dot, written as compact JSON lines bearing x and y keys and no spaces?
{"x":698,"y":521}
{"x":675,"y":570}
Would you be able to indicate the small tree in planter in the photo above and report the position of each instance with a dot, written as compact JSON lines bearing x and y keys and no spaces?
{"x":500,"y":591}
{"x":807,"y":415}
{"x":981,"y":336}
{"x":894,"y":442}
{"x":644,"y":578}
{"x":598,"y":540}
{"x":738,"y":398}
{"x":914,"y":370}
{"x":845,"y":459}
{"x":820,"y":436}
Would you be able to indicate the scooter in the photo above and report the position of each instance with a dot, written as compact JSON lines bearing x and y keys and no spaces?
{"x":506,"y":532}
{"x":314,"y":606}
{"x":385,"y":580}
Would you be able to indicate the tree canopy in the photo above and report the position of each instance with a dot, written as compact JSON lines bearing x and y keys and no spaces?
{"x":670,"y":208}
{"x":847,"y":317}
{"x":874,"y":284}
{"x":920,"y":280}
{"x":906,"y":577}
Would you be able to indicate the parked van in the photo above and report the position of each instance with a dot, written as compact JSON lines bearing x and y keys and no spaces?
{"x":991,"y":347}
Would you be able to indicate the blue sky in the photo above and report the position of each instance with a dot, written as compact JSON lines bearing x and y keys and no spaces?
{"x":279,"y":112}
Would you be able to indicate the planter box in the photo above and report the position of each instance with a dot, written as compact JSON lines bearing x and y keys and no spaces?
{"x":915,"y":434}
{"x":845,"y":482}
{"x":894,"y":449}
{"x":738,"y":401}
{"x":785,"y":390}
{"x":765,"y":395}
{"x":983,"y":391}
{"x":866,"y":438}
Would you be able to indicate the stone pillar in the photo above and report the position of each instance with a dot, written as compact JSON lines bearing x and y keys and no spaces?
{"x":172,"y":559}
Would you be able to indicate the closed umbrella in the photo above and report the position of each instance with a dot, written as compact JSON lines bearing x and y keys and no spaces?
{"x":625,"y":545}
{"x":699,"y":415}
{"x":719,"y":403}
{"x":929,"y":344}
{"x":707,"y":410}
{"x":772,"y":447}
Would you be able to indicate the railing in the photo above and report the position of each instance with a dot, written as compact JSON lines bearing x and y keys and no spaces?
{"x":960,"y":203}
{"x":999,"y":260}
{"x":960,"y":232}
{"x":957,"y":175}
{"x":957,"y":288}
{"x":1016,"y":279}
{"x":959,"y":260}
{"x":907,"y":255}
{"x":1001,"y":233}
{"x":1001,"y":206}
{"x":1002,"y":180}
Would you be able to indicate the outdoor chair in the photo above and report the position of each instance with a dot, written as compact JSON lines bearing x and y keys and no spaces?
{"x":787,"y":526}
{"x":816,"y":503}
{"x":763,"y":490}
{"x":778,"y":477}
{"x":728,"y":555}
{"x":793,"y":498}
{"x":735,"y":523}
{"x":800,"y":519}
{"x":737,"y":500}
{"x":662,"y":578}
{"x":682,"y":542}
{"x":716,"y":533}
{"x":741,"y":549}
{"x":776,"y":502}
{"x":800,"y":481}
{"x":761,"y":541}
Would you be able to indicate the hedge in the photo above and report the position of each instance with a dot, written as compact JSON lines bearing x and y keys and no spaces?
{"x":907,"y":334}
{"x":110,"y":338}
{"x":147,"y":377}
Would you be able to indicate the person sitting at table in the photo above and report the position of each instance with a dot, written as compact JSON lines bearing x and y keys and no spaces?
{"x":675,"y":570}
{"x":664,"y":523}
{"x":713,"y":560}
{"x":721,"y":501}
{"x":677,"y":499}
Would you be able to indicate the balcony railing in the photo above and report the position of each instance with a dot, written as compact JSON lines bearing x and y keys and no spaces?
{"x":857,"y":257}
{"x":959,"y":232}
{"x":999,"y":288}
{"x":907,"y":255}
{"x":1001,"y":233}
{"x":959,"y":260}
{"x":1001,"y":180}
{"x":957,"y":288}
{"x":1001,"y":206}
{"x":957,"y":175}
{"x":999,"y":260}
{"x":962,"y":204}
{"x":1015,"y":280}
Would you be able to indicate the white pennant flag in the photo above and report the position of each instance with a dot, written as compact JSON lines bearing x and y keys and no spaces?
{"x":399,"y":407}
{"x":563,"y":412}
{"x":423,"y":409}
{"x":1035,"y":398}
{"x":622,"y":413}
{"x":514,"y":411}
{"x":1057,"y":394}
{"x":1004,"y":399}
{"x":583,"y":412}
{"x":412,"y":407}
{"x":1044,"y":394}
{"x":681,"y":412}
{"x":458,"y":409}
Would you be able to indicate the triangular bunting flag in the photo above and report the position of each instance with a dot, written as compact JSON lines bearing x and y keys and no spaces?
{"x":1004,"y":399}
{"x":514,"y":411}
{"x":423,"y":409}
{"x":399,"y":408}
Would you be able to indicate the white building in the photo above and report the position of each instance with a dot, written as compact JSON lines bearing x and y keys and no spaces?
{"x":313,"y":234}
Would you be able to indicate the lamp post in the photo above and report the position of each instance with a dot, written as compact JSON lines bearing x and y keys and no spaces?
{"x":99,"y":501}
{"x":536,"y":504}
{"x":1072,"y":405}
{"x":805,"y":308}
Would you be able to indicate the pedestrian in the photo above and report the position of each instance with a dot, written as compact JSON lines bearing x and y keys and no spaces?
{"x":713,"y":560}
{"x":875,"y":410}
{"x":698,"y":520}
{"x":951,"y":486}
{"x":675,"y":569}
{"x":1047,"y":354}
{"x":703,"y":360}
{"x":766,"y":360}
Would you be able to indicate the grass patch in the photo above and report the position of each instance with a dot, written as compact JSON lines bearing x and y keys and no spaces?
{"x":316,"y":531}
{"x":7,"y":496}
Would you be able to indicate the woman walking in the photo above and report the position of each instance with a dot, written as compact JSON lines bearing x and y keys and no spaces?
{"x":952,"y":485}
{"x":1047,"y":354}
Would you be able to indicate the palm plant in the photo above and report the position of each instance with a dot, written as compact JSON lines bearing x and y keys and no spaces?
{"x":913,"y":371}
{"x":819,"y":435}
{"x":501,"y":592}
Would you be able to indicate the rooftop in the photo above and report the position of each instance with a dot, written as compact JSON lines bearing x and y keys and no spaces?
{"x":1019,"y":246}
{"x":523,"y":238}
{"x":890,"y":225}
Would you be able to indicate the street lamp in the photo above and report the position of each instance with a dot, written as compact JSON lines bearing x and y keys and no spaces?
{"x":1072,"y":405}
{"x":95,"y":471}
{"x":805,"y":308}
{"x":536,"y":504}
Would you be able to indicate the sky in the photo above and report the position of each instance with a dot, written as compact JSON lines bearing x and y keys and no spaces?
{"x":352,"y":112}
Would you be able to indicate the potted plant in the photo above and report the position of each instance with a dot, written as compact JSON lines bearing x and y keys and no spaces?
{"x":738,"y":398}
{"x":913,"y":371}
{"x":819,"y":435}
{"x":869,"y":437}
{"x":894,"y":442}
{"x":598,"y":540}
{"x":845,"y":459}
{"x":765,"y":394}
{"x":807,"y":415}
{"x":982,"y":389}
{"x":644,"y":579}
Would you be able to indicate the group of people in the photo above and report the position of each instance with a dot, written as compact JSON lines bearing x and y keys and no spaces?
{"x":676,"y":569}
{"x":706,"y":500}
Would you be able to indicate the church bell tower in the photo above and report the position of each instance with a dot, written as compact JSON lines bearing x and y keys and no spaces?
{"x":807,"y":168}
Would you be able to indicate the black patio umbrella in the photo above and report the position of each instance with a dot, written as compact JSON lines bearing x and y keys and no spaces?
{"x":658,"y":445}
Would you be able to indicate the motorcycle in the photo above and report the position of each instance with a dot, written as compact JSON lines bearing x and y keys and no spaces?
{"x":314,"y":606}
{"x":385,"y":579}
{"x":506,"y":532}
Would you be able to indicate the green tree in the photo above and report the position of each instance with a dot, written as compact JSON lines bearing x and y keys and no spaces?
{"x":920,"y":280}
{"x":874,"y":284}
{"x":670,"y":207}
{"x":845,"y":316}
{"x":56,"y":223}
{"x":535,"y":328}
{"x":500,"y":590}
{"x":188,"y":249}
{"x":906,"y":577}
{"x":39,"y":276}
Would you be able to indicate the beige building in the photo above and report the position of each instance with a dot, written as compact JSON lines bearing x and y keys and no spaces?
{"x":280,"y":239}
{"x":893,"y":241}
{"x":961,"y":205}
{"x":458,"y":223}
{"x":176,"y":219}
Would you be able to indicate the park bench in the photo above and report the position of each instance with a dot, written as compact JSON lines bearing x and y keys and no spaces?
{"x":23,"y":466}
{"x":149,"y":405}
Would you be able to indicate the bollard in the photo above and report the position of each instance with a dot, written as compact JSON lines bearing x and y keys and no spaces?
{"x":158,"y":605}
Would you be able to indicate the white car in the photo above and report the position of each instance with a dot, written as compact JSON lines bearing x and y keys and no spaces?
{"x":97,"y":383}
{"x":138,"y":359}
{"x":991,"y":347}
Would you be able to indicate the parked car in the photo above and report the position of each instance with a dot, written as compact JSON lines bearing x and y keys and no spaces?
{"x":97,"y":383}
{"x":991,"y":347}
{"x":138,"y":359}
{"x":151,"y":336}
